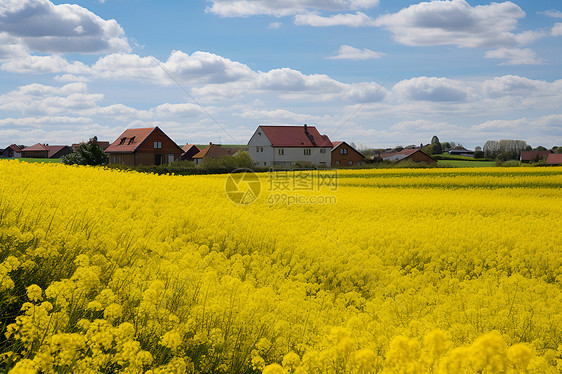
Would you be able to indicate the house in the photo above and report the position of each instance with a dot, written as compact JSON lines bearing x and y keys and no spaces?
{"x":461,"y":151}
{"x":212,"y":151}
{"x":143,"y":146}
{"x":189,"y":150}
{"x":345,"y":155}
{"x":12,"y":151}
{"x":415,"y":155}
{"x":286,"y":145}
{"x":45,"y":151}
{"x":554,"y":159}
{"x":533,"y":156}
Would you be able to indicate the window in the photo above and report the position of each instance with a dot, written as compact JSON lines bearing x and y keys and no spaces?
{"x":322,"y":150}
{"x":170,"y":158}
{"x":122,"y":141}
{"x":261,"y":149}
{"x":265,"y":163}
{"x":351,"y":162}
{"x":281,"y":151}
{"x":259,"y":133}
{"x":257,"y":149}
{"x":343,"y":151}
{"x":157,"y":145}
{"x":307,"y":152}
{"x":131,"y":140}
{"x":337,"y":162}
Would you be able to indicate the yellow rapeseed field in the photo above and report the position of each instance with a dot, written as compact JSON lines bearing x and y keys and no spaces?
{"x":390,"y":271}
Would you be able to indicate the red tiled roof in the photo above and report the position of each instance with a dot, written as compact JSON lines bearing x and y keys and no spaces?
{"x":554,"y":159}
{"x":129,"y":141}
{"x":36,"y":147}
{"x":336,"y":144}
{"x":534,"y":155}
{"x":294,"y":136}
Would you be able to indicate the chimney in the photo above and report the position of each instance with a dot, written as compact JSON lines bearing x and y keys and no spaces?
{"x":210,"y":143}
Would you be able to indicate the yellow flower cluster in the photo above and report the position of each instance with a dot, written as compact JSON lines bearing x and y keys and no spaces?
{"x":411,"y":271}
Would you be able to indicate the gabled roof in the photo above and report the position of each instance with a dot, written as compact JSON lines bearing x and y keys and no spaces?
{"x":534,"y":155}
{"x":212,"y":151}
{"x":554,"y":159}
{"x":295,"y":136}
{"x":338,"y":143}
{"x":15,"y":148}
{"x":187,"y":147}
{"x":36,"y":147}
{"x":54,"y":149}
{"x":130,"y":140}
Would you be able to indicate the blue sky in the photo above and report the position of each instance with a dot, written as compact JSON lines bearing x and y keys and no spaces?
{"x":374,"y":72}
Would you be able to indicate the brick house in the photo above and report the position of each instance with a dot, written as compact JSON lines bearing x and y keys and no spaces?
{"x":143,"y":146}
{"x":345,"y":155}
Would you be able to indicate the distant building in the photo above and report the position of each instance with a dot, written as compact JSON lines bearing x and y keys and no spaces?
{"x":287,"y":145}
{"x":12,"y":151}
{"x":102,"y":144}
{"x":345,"y":155}
{"x":534,"y":156}
{"x":143,"y":146}
{"x":212,"y":151}
{"x":461,"y":151}
{"x":414,"y":155}
{"x":45,"y":151}
{"x":554,"y":159}
{"x":189,"y":150}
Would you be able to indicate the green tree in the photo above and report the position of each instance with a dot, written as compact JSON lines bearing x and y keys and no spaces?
{"x":87,"y":154}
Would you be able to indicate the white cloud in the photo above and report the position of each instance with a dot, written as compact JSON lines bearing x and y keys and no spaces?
{"x":347,"y":52}
{"x":43,"y":64}
{"x":455,"y":22}
{"x":275,"y":25}
{"x":557,"y":29}
{"x":280,"y":8}
{"x":552,"y":13}
{"x":358,"y":19}
{"x":433,"y":89}
{"x":11,"y":47}
{"x":66,"y":28}
{"x":514,"y":56}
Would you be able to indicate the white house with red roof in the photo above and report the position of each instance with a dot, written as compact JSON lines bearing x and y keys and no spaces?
{"x":286,"y":145}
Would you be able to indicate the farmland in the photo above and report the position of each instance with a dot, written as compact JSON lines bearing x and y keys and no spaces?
{"x":412,"y":271}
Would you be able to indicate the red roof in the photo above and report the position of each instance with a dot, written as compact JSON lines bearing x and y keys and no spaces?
{"x":36,"y":147}
{"x":129,"y":141}
{"x":14,"y":147}
{"x":534,"y":155}
{"x":294,"y":136}
{"x":554,"y":159}
{"x":336,"y":144}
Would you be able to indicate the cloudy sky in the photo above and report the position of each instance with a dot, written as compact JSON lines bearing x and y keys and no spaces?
{"x":373,"y":72}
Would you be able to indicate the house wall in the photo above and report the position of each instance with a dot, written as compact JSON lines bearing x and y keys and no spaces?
{"x":349,"y":159}
{"x":35,"y":154}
